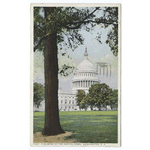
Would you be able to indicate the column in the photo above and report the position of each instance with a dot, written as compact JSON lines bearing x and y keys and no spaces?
{"x":103,"y":70}
{"x":80,"y":83}
{"x":110,"y":70}
{"x":100,"y":69}
{"x":107,"y":70}
{"x":97,"y":68}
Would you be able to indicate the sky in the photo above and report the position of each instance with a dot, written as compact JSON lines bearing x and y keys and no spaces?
{"x":98,"y":52}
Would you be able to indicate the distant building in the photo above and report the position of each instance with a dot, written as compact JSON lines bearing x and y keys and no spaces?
{"x":85,"y":75}
{"x":67,"y":101}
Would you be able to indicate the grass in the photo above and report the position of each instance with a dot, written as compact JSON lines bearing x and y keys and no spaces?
{"x":88,"y":126}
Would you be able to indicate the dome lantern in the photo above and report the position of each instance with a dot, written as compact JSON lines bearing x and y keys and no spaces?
{"x":85,"y":53}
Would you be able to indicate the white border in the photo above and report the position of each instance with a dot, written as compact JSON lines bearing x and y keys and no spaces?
{"x":119,"y":77}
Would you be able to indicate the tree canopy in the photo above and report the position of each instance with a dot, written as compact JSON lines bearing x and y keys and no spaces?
{"x":113,"y":97}
{"x":39,"y":92}
{"x":99,"y":94}
{"x":80,"y":97}
{"x":68,"y":21}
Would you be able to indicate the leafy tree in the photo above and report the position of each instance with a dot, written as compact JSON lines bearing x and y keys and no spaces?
{"x":113,"y":98}
{"x":99,"y":94}
{"x":84,"y":103}
{"x":38,"y":94}
{"x":90,"y":100}
{"x":80,"y":97}
{"x":51,"y":28}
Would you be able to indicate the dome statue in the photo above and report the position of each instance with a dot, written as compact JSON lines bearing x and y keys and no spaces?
{"x":85,"y":75}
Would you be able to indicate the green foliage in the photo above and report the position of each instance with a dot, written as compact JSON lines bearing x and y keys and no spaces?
{"x":84,"y":104}
{"x":67,"y":22}
{"x":99,"y":95}
{"x":100,"y":125}
{"x":80,"y":98}
{"x":90,"y":100}
{"x":39,"y":29}
{"x":38,"y":94}
{"x":113,"y":97}
{"x":66,"y":70}
{"x":111,"y":15}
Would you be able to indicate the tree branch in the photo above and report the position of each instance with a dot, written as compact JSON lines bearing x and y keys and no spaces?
{"x":80,"y":22}
{"x":36,"y":46}
{"x":88,"y":21}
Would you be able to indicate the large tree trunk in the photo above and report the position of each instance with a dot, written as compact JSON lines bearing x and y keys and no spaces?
{"x":91,"y":108}
{"x":99,"y":108}
{"x":111,"y":106}
{"x":52,"y":123}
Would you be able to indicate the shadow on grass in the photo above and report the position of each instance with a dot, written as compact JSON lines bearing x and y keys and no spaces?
{"x":71,"y":137}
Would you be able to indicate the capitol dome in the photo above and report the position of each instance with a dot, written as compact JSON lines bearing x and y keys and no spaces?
{"x":85,"y":75}
{"x":85,"y":66}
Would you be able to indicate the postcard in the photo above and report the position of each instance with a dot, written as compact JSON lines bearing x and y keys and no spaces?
{"x":75,"y":75}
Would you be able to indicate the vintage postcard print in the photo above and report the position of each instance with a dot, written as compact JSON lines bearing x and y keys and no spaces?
{"x":75,"y":75}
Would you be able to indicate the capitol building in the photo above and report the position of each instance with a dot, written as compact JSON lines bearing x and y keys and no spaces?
{"x":85,"y":75}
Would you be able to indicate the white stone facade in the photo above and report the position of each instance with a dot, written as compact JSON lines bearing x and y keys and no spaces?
{"x":67,"y":101}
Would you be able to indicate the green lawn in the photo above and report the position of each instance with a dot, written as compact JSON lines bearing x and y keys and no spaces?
{"x":88,"y":126}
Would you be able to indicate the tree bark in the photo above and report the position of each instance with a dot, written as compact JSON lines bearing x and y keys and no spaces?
{"x":91,"y":108}
{"x":52,"y":123}
{"x":111,"y":106}
{"x":99,"y":108}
